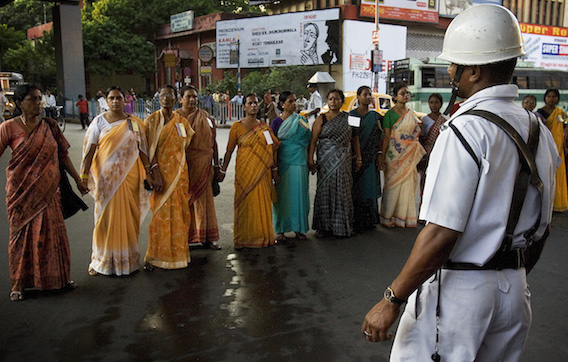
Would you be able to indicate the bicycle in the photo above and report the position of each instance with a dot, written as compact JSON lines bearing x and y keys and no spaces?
{"x":60,"y":117}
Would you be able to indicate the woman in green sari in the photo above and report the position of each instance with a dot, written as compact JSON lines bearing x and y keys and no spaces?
{"x":293,"y":205}
{"x":367,"y":181}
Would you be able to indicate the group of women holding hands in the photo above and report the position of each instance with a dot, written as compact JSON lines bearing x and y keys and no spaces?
{"x":168,"y":163}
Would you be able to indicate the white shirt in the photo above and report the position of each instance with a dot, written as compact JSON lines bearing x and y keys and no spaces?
{"x":459,"y":196}
{"x":314,"y":103}
{"x":103,"y":106}
{"x":50,"y":101}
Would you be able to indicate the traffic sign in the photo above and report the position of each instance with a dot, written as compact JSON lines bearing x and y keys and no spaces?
{"x":375,"y":37}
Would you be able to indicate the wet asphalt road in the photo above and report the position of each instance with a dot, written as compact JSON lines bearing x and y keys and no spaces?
{"x":297,"y":301}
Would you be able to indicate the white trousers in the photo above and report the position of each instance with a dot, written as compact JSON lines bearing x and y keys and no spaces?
{"x":484,"y":316}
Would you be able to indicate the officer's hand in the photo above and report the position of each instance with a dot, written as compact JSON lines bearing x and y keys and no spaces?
{"x":378,"y":321}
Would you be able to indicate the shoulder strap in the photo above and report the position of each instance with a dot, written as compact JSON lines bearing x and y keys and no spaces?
{"x":465,"y":144}
{"x":528,"y":172}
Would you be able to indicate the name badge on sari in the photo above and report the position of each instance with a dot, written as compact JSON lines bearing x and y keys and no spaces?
{"x":354,"y":121}
{"x":210,"y":122}
{"x":181,"y":130}
{"x":135,"y":127}
{"x":268,"y":137}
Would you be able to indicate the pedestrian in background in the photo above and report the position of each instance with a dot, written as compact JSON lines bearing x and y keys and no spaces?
{"x":38,"y":249}
{"x":402,"y":152}
{"x":208,"y":102}
{"x":115,"y":164}
{"x":83,"y":111}
{"x":255,"y":171}
{"x":169,"y":136}
{"x":335,"y":141}
{"x":555,"y":117}
{"x":128,"y":102}
{"x":430,"y":129}
{"x":203,"y":156}
{"x":314,"y":104}
{"x":49,"y":104}
{"x":367,"y":181}
{"x":293,"y":203}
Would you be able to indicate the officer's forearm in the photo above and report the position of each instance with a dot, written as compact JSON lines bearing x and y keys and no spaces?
{"x":431,"y":250}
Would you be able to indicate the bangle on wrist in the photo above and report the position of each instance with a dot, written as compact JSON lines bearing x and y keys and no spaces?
{"x":147,"y":166}
{"x":84,"y":176}
{"x":223,"y":172}
{"x":153,"y":166}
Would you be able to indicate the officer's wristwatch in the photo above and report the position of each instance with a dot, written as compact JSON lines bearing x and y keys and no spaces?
{"x":389,"y":295}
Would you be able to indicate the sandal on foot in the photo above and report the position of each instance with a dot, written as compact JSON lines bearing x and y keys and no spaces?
{"x":71,"y":285}
{"x":16,"y":296}
{"x":280,"y":237}
{"x":212,"y":245}
{"x":93,"y":272}
{"x":148,"y":267}
{"x":300,"y":236}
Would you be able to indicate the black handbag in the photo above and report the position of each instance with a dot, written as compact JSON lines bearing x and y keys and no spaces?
{"x":216,"y":187}
{"x":71,"y":203}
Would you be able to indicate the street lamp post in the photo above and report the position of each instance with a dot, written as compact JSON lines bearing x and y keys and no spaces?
{"x":376,"y":54}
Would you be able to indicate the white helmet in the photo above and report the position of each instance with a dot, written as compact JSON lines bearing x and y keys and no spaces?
{"x":483,"y":34}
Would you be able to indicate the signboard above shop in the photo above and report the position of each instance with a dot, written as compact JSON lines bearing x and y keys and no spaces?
{"x":182,"y":21}
{"x":424,"y":11}
{"x":301,"y":38}
{"x":545,"y":46}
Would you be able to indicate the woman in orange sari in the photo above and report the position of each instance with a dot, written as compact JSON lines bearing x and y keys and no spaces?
{"x":401,"y":153}
{"x":114,"y":154}
{"x":555,"y":122}
{"x":38,"y":250}
{"x":254,"y":172}
{"x":169,"y":136}
{"x":202,"y":154}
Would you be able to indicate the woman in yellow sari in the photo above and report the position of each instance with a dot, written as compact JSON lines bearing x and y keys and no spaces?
{"x":254,"y":172}
{"x":169,"y":136}
{"x":555,"y":122}
{"x":114,"y":154}
{"x":401,"y":153}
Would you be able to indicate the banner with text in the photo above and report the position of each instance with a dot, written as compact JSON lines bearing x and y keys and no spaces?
{"x":546,"y":46}
{"x":302,"y":38}
{"x":424,"y":11}
{"x":357,"y":45}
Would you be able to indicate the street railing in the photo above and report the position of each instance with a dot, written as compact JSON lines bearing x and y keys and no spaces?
{"x":142,"y":108}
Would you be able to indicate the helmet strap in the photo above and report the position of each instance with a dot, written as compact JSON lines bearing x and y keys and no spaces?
{"x":455,"y":83}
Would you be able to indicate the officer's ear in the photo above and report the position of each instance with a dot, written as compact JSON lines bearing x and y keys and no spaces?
{"x":476,"y":72}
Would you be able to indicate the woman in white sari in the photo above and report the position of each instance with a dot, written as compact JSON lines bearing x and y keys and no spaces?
{"x":114,"y":166}
{"x":402,"y":151}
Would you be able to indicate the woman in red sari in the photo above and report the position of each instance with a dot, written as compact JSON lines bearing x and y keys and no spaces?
{"x":38,"y":248}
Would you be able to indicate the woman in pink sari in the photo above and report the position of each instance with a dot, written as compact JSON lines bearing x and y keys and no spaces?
{"x":401,"y":153}
{"x":38,"y":248}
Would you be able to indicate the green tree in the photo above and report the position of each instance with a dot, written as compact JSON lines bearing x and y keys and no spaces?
{"x":9,"y":38}
{"x":119,"y":34}
{"x":25,"y":14}
{"x":34,"y":59}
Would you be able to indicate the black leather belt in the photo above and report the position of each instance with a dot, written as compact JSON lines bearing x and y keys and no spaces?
{"x":514,"y":259}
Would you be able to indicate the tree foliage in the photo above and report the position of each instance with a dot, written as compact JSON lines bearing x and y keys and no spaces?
{"x":119,"y":34}
{"x":35,"y":60}
{"x":292,"y":78}
{"x":25,"y":14}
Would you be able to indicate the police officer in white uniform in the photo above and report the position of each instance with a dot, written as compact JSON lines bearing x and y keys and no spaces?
{"x":484,"y":302}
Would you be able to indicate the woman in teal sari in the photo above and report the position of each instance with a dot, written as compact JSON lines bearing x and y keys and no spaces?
{"x":293,"y":205}
{"x":367,"y":181}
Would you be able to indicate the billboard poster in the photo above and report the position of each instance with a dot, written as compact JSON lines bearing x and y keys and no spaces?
{"x":302,"y":38}
{"x":424,"y":11}
{"x":546,"y":46}
{"x":451,"y":8}
{"x":357,"y":45}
